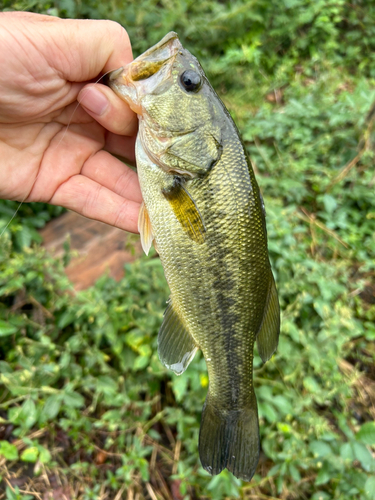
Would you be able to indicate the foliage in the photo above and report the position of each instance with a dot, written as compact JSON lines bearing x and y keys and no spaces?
{"x":84,"y":396}
{"x":33,"y":216}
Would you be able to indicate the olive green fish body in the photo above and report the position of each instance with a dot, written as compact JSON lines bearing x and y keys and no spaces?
{"x":203,"y":209}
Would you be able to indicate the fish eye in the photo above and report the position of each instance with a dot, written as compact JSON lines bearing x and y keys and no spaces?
{"x":190,"y":80}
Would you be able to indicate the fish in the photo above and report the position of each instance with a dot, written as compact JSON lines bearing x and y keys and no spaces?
{"x":203,"y":211}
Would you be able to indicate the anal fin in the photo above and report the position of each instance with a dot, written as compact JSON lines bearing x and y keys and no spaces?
{"x":268,"y":334}
{"x":176,"y":347}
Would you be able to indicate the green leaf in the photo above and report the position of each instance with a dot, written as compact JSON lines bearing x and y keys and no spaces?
{"x":282,"y":404}
{"x":5,"y":367}
{"x":284,"y":427}
{"x":144,"y":469}
{"x":74,"y":399}
{"x":52,"y":406}
{"x":366,"y":434}
{"x":320,"y":448}
{"x":294,"y":472}
{"x":370,"y":488}
{"x":346,"y":452}
{"x":274,"y":470}
{"x":363,"y":456}
{"x":66,"y":318}
{"x":267,"y":410}
{"x":6,"y":329}
{"x":330,"y":204}
{"x":179,"y":386}
{"x":8,"y":451}
{"x":311,"y":385}
{"x":321,"y":495}
{"x":24,"y":237}
{"x":140,"y":362}
{"x":44,"y":455}
{"x":30,"y":454}
{"x":29,"y":413}
{"x":324,"y":475}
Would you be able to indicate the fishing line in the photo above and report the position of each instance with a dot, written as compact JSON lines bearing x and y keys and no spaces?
{"x":13,"y":216}
{"x":79,"y":103}
{"x":57,"y":145}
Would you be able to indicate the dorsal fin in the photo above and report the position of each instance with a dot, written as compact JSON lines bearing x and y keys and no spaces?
{"x":268,"y":334}
{"x":176,"y":347}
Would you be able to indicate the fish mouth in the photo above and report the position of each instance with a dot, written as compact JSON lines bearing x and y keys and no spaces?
{"x":147,"y":72}
{"x":113,"y":75}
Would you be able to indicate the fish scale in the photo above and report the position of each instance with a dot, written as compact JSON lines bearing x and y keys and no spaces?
{"x":204,"y":212}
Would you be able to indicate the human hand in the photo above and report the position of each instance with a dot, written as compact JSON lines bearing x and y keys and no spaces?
{"x":49,"y":150}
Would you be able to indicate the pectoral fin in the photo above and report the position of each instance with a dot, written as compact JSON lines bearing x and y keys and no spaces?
{"x":186,"y":212}
{"x":268,"y":334}
{"x":145,"y":229}
{"x":176,"y":347}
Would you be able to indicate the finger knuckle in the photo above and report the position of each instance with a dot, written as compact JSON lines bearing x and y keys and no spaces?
{"x":118,"y":32}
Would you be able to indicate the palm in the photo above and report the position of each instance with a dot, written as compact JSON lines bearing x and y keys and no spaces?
{"x":52,"y":150}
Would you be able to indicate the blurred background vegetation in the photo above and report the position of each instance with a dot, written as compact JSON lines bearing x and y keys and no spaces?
{"x":86,"y":408}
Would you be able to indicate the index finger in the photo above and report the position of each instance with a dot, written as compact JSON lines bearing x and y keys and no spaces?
{"x":78,"y":49}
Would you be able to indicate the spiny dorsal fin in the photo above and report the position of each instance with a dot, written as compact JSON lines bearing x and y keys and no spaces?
{"x":145,"y":229}
{"x":186,"y":211}
{"x":176,"y":347}
{"x":268,"y":334}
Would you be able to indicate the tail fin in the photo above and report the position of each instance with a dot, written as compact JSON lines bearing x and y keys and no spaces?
{"x":229,"y":439}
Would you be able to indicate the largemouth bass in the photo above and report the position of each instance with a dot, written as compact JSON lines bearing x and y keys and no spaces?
{"x":204,"y":212}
